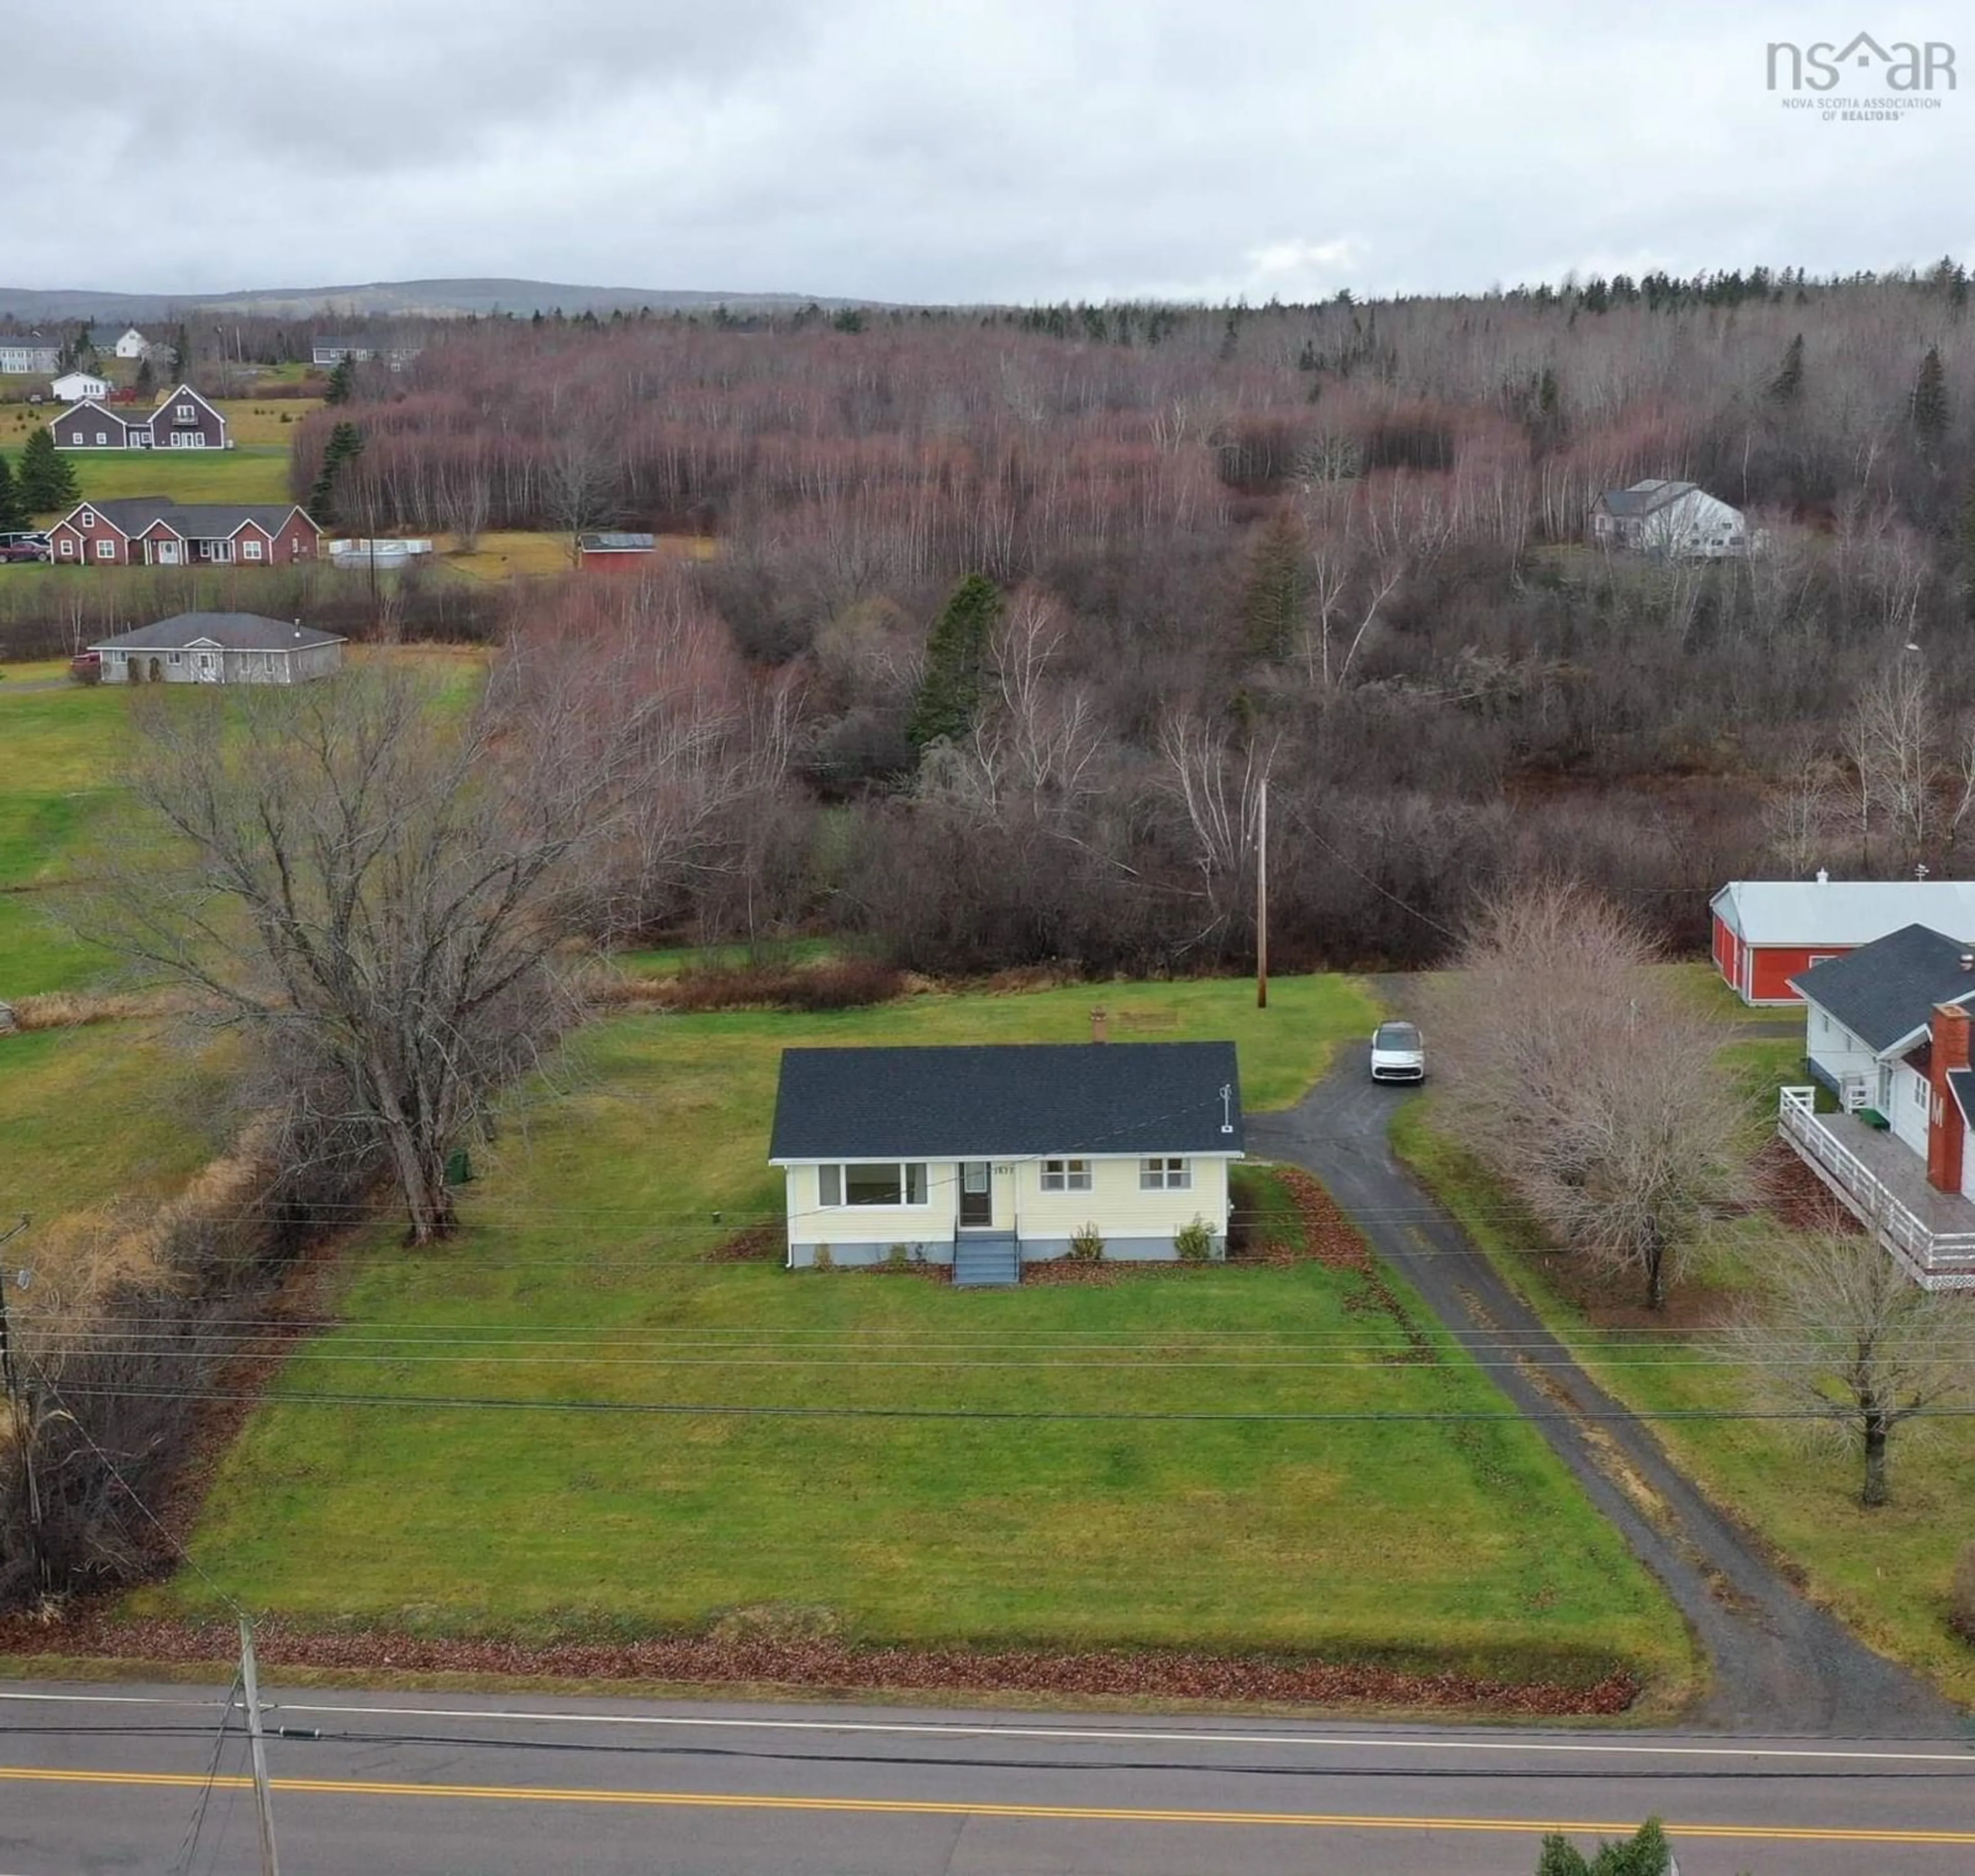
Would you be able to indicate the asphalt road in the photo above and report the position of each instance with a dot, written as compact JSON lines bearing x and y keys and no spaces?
{"x":96,"y":1778}
{"x":1775,"y":1664}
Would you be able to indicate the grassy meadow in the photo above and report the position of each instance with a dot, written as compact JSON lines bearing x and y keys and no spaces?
{"x":1886,"y":1571}
{"x":585,"y":1274}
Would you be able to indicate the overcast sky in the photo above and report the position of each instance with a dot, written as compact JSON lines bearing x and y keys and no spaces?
{"x":959,"y":151}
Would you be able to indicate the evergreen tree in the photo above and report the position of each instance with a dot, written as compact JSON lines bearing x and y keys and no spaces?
{"x":1787,"y":386}
{"x":1968,"y":557}
{"x":342,"y":381}
{"x":1645,"y":1853}
{"x":956,"y":652}
{"x":13,"y":511}
{"x":345,"y":445}
{"x":46,"y":479}
{"x":1929,"y":404}
{"x":147,"y":379}
{"x":1277,"y":590}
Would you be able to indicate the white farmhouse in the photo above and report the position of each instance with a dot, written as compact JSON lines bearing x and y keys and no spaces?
{"x":132,"y":345}
{"x":1676,"y":521}
{"x":76,"y":387}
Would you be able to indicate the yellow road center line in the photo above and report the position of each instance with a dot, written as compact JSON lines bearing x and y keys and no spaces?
{"x":916,"y":1807}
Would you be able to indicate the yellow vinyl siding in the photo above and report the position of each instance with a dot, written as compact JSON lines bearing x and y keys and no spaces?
{"x":811,"y":1222}
{"x":1114,"y":1204}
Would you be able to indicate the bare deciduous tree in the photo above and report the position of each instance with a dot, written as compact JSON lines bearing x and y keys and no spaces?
{"x":1845,"y":1336}
{"x":579,"y":487}
{"x":356,"y":878}
{"x":1587,"y":1081}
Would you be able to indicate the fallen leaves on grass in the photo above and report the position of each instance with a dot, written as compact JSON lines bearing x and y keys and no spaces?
{"x":793,"y":1658}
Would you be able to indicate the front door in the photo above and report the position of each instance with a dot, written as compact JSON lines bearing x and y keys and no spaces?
{"x":206,"y":667}
{"x":168,"y":553}
{"x":977,"y":1199}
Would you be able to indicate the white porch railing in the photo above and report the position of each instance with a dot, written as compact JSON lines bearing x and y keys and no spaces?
{"x":1935,"y":1260}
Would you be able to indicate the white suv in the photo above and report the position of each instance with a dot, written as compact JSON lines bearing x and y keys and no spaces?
{"x":1397,"y":1054}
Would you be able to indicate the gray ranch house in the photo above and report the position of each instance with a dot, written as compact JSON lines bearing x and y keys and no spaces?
{"x":220,"y":648}
{"x":992,"y":1156}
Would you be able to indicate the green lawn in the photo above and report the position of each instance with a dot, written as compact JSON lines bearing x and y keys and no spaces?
{"x":249,"y":472}
{"x":60,"y":749}
{"x":582,"y":1276}
{"x":93,"y":1114}
{"x":1885,"y":1571}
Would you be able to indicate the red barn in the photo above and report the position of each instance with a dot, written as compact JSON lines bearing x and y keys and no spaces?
{"x":1767,"y":931}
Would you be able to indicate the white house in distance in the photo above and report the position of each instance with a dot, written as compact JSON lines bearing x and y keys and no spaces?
{"x":1887,"y":1032}
{"x":29,"y":354}
{"x":989,"y":1157}
{"x":73,"y":387}
{"x":220,"y":648}
{"x":1765,"y":931}
{"x":1676,"y":521}
{"x":131,"y":345}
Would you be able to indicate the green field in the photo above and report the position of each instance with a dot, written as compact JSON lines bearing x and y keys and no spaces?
{"x":1885,"y":1571}
{"x":59,"y":749}
{"x":249,"y":472}
{"x":583,"y":1275}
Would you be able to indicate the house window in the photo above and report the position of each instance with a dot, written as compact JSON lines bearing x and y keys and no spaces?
{"x":1920,"y":1092}
{"x":87,"y":518}
{"x":1164,"y":1175}
{"x":101,"y":437}
{"x":185,"y":413}
{"x":67,"y":548}
{"x":250,"y":550}
{"x":177,"y":657}
{"x":1066,"y":1175}
{"x":75,"y":437}
{"x":879,"y":1182}
{"x":105,"y":549}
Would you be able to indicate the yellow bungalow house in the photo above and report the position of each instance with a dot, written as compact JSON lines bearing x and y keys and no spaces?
{"x":993,"y":1156}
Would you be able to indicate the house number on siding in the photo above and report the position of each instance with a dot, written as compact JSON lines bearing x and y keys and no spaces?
{"x":1005,"y":1169}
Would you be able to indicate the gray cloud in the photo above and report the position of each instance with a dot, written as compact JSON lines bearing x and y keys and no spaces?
{"x":984,"y":148}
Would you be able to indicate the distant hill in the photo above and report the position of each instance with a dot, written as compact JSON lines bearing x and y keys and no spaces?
{"x":429,"y":299}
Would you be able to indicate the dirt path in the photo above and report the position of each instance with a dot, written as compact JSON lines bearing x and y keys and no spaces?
{"x":1776,"y":1664}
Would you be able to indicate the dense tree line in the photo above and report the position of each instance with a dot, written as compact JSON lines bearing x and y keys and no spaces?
{"x":1028,"y":602}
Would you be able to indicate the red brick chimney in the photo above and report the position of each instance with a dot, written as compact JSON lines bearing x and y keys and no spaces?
{"x":1944,"y":1125}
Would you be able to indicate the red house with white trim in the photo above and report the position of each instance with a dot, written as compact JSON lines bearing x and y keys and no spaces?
{"x":1765,"y":932}
{"x":153,"y":530}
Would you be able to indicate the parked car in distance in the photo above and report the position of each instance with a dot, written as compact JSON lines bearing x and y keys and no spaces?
{"x":1398,"y":1053}
{"x":11,"y":551}
{"x":87,"y":667}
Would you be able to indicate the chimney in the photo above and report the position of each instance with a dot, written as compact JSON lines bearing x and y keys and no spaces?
{"x":1099,"y":1025}
{"x":1968,"y":960}
{"x":1823,"y":877}
{"x":1945,"y":1128}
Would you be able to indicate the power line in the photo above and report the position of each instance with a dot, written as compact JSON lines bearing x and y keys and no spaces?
{"x":757,"y":1411}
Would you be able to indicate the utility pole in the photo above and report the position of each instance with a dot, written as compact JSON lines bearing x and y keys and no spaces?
{"x":271,"y":1862}
{"x":23,"y":1424}
{"x":1262,"y":896}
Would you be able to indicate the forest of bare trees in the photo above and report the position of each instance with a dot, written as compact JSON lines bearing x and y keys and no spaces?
{"x":1341,"y":545}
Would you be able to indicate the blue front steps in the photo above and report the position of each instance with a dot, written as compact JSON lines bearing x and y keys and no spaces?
{"x":989,"y":1260}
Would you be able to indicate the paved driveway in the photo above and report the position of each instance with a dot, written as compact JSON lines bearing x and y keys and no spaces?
{"x":1775,"y":1664}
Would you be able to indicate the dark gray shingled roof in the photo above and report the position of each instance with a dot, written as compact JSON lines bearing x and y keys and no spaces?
{"x":1007,"y":1098}
{"x":1884,"y":991}
{"x":1961,"y":1085}
{"x":1643,"y":497}
{"x":209,"y":521}
{"x":233,"y":632}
